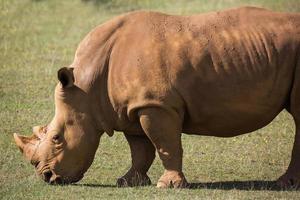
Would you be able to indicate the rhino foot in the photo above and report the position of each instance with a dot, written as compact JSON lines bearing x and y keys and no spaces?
{"x":132,"y":179}
{"x":172,"y":179}
{"x":289,"y":180}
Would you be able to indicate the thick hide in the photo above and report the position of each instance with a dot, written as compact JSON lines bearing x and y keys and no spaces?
{"x":154,"y":76}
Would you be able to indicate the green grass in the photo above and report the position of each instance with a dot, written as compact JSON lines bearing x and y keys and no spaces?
{"x":39,"y":37}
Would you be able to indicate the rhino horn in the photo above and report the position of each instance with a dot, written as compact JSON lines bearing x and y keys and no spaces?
{"x":26,"y":144}
{"x":20,"y":141}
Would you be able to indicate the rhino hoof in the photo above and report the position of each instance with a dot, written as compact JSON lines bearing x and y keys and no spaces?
{"x":288,"y":181}
{"x":172,"y":180}
{"x":133,"y":181}
{"x":183,"y":184}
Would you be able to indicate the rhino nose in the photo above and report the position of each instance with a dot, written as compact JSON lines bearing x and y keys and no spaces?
{"x":47,"y":176}
{"x":56,"y":180}
{"x":52,"y":178}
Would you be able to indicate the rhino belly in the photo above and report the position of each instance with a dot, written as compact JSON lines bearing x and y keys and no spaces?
{"x":237,"y":85}
{"x":227,"y":122}
{"x":226,"y":108}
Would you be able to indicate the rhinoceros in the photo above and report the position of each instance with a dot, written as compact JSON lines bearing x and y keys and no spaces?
{"x":155,"y":76}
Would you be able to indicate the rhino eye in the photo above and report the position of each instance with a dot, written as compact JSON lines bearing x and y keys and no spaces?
{"x":70,"y":122}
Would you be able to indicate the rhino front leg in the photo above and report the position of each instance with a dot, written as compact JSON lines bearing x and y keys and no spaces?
{"x":164,"y":130}
{"x":142,"y":156}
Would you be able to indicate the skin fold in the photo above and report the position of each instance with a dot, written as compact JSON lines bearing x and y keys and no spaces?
{"x":154,"y":76}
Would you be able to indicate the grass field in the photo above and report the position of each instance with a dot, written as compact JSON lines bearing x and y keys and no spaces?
{"x":38,"y":37}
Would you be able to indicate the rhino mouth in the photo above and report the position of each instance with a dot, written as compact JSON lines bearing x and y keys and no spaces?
{"x":47,"y":175}
{"x":50,"y":177}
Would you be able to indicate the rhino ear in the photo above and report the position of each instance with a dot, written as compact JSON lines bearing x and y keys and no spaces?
{"x":66,"y":77}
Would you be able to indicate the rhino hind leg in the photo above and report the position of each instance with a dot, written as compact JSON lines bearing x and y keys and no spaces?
{"x":142,"y":156}
{"x":164,"y":130}
{"x":291,"y":178}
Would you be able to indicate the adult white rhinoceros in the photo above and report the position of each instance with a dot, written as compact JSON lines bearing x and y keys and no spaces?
{"x":154,"y":76}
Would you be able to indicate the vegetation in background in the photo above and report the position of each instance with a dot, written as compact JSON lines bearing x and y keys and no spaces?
{"x":39,"y":37}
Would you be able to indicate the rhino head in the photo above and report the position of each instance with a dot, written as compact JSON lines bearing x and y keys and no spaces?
{"x":63,"y":150}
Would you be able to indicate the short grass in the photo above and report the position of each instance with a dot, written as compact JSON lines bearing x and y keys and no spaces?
{"x":38,"y":37}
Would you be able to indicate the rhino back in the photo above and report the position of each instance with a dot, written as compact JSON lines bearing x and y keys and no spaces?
{"x":225,"y":73}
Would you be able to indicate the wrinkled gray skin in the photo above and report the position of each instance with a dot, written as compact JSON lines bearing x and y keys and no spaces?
{"x":154,"y":76}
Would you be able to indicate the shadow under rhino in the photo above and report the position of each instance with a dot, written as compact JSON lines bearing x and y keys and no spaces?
{"x":255,"y":185}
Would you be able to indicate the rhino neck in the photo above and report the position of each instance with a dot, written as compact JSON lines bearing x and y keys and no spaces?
{"x":91,"y":70}
{"x":102,"y":108}
{"x":94,"y":83}
{"x":92,"y":78}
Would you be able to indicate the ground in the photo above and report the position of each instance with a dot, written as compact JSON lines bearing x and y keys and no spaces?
{"x":39,"y":37}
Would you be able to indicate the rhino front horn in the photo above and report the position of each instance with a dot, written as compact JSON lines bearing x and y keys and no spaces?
{"x":27,"y":145}
{"x":21,"y":141}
